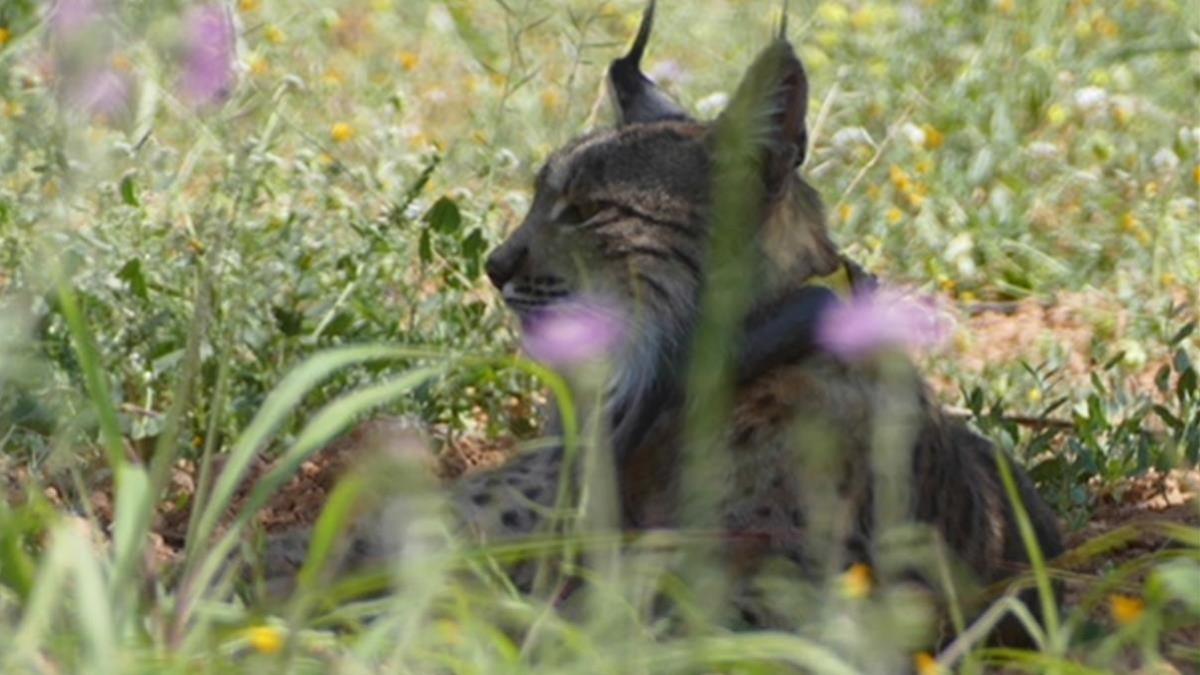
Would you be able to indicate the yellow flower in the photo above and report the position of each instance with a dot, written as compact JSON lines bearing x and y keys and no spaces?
{"x":933,"y":138}
{"x":926,"y":664}
{"x":342,"y":132}
{"x":551,"y":99}
{"x":857,"y":581}
{"x":1125,"y":609}
{"x":1056,"y":114}
{"x":12,"y":109}
{"x":814,"y":58}
{"x":864,"y":18}
{"x":5,"y":36}
{"x":894,"y":216}
{"x":833,"y":13}
{"x":899,"y":178}
{"x":274,"y":34}
{"x":924,"y":166}
{"x":1151,"y":190}
{"x":1196,"y":174}
{"x":1129,"y":223}
{"x":845,"y":212}
{"x":947,"y":284}
{"x":1006,"y":6}
{"x":121,"y":62}
{"x":259,"y":65}
{"x":1106,"y":27}
{"x":408,"y":61}
{"x":265,"y":639}
{"x":829,"y":39}
{"x":332,"y":78}
{"x":968,"y":297}
{"x":1169,"y":279}
{"x":1034,"y":395}
{"x":249,"y":6}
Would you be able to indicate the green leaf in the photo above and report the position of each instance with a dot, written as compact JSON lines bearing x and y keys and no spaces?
{"x":129,"y":191}
{"x":444,"y":216}
{"x":1181,"y":579}
{"x":425,"y":247}
{"x":290,"y":322}
{"x":1183,"y":334}
{"x":473,"y":248}
{"x":131,"y":274}
{"x":17,"y":568}
{"x":1162,"y":379}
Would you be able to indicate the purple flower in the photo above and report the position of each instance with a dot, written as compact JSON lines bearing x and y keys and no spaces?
{"x":574,"y":332}
{"x":880,"y":320}
{"x":210,"y":46}
{"x":103,"y":93}
{"x":69,"y":17}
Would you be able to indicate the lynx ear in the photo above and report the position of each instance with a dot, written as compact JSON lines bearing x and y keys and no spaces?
{"x":770,"y":104}
{"x":638,"y":99}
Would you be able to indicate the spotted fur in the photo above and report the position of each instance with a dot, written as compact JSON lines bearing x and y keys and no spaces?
{"x":625,"y":213}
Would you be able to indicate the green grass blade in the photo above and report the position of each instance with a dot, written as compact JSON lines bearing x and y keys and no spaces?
{"x":278,"y":406}
{"x":131,"y":522}
{"x":93,"y":373}
{"x":328,"y":423}
{"x":70,"y":557}
{"x":1037,"y":560}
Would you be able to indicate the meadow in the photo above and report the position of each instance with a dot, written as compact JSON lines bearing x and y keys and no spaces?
{"x":229,"y":231}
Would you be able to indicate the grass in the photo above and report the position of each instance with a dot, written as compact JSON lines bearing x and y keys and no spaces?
{"x":188,"y":286}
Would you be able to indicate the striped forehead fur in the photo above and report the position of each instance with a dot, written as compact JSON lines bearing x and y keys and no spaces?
{"x":571,"y":162}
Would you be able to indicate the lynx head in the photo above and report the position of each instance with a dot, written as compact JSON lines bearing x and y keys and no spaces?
{"x":625,"y":213}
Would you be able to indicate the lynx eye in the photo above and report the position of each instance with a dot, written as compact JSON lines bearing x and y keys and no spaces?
{"x":577,"y":213}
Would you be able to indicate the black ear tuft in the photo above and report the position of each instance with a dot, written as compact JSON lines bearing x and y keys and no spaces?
{"x":639,"y":100}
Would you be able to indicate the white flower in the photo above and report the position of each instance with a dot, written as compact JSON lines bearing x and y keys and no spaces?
{"x":958,"y":252}
{"x":914,"y":134}
{"x":711,"y":105}
{"x":1190,"y":136}
{"x":1090,"y":97}
{"x":849,"y":137}
{"x":668,"y":71}
{"x":1043,"y":150}
{"x":1165,"y":160}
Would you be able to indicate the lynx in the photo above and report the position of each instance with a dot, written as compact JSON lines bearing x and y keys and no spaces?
{"x":626,"y":213}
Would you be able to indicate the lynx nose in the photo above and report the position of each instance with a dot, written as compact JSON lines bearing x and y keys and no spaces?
{"x":502,"y":264}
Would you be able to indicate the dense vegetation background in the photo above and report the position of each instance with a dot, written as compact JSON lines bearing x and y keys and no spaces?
{"x":196,"y":198}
